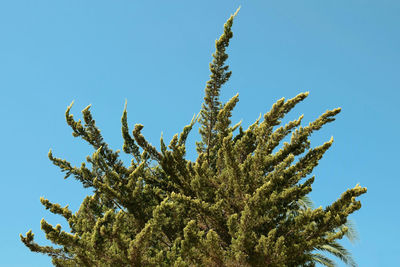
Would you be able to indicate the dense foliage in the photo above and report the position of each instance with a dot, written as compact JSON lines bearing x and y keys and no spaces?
{"x":243,"y":202}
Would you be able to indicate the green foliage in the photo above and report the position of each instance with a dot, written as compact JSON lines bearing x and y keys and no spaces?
{"x":238,"y":204}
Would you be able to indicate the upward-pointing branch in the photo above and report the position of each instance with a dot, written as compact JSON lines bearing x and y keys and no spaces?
{"x":212,"y":105}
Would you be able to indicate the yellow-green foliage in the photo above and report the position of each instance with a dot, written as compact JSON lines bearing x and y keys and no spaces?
{"x":238,"y":204}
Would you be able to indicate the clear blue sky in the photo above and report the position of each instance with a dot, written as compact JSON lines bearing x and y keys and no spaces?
{"x":155,"y":54}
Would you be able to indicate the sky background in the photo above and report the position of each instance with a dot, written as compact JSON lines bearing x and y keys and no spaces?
{"x":156,"y":55}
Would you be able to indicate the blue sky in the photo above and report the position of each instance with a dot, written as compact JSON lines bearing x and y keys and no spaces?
{"x":155,"y":54}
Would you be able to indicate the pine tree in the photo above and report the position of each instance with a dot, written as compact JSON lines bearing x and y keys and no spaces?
{"x":243,"y":202}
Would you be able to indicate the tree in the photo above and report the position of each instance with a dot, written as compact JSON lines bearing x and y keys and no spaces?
{"x":243,"y":202}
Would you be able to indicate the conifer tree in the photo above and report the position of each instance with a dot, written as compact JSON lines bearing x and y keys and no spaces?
{"x":243,"y":202}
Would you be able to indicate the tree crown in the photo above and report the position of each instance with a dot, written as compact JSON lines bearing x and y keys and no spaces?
{"x":239,"y":204}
